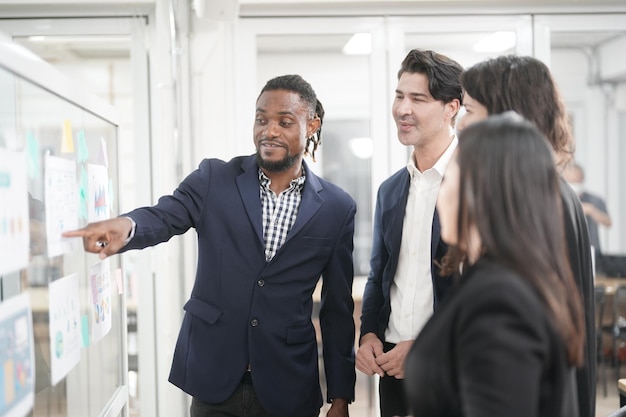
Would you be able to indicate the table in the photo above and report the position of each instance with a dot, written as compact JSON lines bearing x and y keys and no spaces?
{"x":610,"y":283}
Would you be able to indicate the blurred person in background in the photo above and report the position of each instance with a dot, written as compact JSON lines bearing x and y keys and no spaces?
{"x":594,"y":206}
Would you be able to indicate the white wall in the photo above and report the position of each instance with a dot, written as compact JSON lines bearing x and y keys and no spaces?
{"x":331,"y":75}
{"x":213,"y":107}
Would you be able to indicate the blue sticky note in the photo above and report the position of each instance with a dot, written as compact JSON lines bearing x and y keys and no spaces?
{"x":83,"y":188}
{"x":32,"y":154}
{"x":83,"y":150}
{"x":84,"y":320}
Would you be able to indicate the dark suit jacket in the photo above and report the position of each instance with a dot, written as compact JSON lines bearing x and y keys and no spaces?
{"x":490,"y":350}
{"x":387,"y":236}
{"x":244,"y":310}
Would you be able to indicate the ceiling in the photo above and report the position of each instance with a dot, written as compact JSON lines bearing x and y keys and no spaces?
{"x":61,"y":48}
{"x":66,"y":48}
{"x":70,"y":48}
{"x":440,"y":41}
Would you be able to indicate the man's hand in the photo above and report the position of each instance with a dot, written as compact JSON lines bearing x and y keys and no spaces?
{"x":370,"y":348}
{"x":105,"y":238}
{"x":392,"y":362}
{"x":338,"y":408}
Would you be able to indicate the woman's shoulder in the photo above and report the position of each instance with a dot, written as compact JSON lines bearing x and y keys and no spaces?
{"x":489,"y":281}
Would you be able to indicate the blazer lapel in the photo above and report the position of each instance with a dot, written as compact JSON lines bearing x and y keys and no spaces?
{"x":398,"y":213}
{"x":393,"y":219}
{"x":436,"y":234}
{"x":248,"y":185}
{"x":310,"y":203}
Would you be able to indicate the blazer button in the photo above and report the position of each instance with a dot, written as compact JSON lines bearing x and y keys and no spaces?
{"x":254,"y":322}
{"x":261,"y":282}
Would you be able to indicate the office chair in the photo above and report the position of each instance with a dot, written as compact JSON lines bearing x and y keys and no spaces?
{"x":618,"y":326}
{"x":600,"y":297}
{"x":618,"y":413}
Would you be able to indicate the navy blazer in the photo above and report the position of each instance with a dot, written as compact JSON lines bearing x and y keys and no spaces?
{"x":244,"y":310}
{"x":388,"y":220}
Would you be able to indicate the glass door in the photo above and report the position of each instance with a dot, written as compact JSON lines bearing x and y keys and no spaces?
{"x":359,"y":148}
{"x":108,"y":57}
{"x":347,"y":83}
{"x":466,"y":39}
{"x":585,"y":53}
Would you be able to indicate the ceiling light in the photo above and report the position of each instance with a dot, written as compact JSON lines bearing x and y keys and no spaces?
{"x":496,"y":42}
{"x":359,"y":44}
{"x":362,"y":148}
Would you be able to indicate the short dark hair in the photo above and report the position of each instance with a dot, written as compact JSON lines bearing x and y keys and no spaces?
{"x":525,"y":85}
{"x":297,"y":84}
{"x":443,"y":73}
{"x":510,"y":192}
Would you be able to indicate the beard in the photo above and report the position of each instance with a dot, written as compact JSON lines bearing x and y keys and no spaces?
{"x":276,"y":166}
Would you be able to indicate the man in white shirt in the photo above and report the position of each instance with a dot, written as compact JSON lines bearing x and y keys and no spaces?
{"x":404,"y":285}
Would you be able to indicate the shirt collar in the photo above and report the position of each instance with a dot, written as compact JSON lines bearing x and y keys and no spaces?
{"x":296,"y":182}
{"x":442,"y":162}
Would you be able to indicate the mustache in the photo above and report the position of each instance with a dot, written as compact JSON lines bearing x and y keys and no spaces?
{"x":271,"y":142}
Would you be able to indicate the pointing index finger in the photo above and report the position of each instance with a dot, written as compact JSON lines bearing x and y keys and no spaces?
{"x":74,"y":233}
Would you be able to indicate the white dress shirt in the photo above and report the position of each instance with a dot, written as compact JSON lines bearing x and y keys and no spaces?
{"x":412,"y":287}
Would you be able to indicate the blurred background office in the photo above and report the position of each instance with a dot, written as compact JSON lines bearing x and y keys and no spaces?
{"x":184,"y":75}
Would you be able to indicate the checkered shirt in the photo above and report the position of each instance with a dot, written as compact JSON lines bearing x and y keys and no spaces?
{"x":279,"y":212}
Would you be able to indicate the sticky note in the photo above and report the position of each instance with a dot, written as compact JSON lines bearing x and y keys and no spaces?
{"x":67,"y":146}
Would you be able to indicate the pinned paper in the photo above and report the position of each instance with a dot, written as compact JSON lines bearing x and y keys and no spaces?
{"x":14,"y":225}
{"x":61,"y":204}
{"x":65,"y":326}
{"x":98,"y":204}
{"x":83,"y":151}
{"x":17,"y":357}
{"x":83,"y":186}
{"x":67,"y":146}
{"x":103,"y":156}
{"x":111,"y":193}
{"x":100,"y":302}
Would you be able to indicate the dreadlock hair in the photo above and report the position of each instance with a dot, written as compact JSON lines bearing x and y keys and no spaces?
{"x":300,"y":86}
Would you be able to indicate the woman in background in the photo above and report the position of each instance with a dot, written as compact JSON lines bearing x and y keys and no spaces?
{"x":525,"y":85}
{"x":506,"y":341}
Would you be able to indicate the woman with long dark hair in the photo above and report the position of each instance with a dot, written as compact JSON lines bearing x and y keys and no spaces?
{"x":506,"y":341}
{"x":525,"y":85}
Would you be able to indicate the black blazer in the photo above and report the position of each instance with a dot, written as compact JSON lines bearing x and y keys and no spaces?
{"x":579,"y":252}
{"x":490,"y":350}
{"x":244,"y":310}
{"x":387,"y":237}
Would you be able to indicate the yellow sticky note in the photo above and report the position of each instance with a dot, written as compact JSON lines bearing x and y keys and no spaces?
{"x":68,"y":141}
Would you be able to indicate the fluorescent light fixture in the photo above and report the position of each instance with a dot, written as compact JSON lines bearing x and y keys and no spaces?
{"x":362,"y":148}
{"x":496,"y":42}
{"x":359,"y":44}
